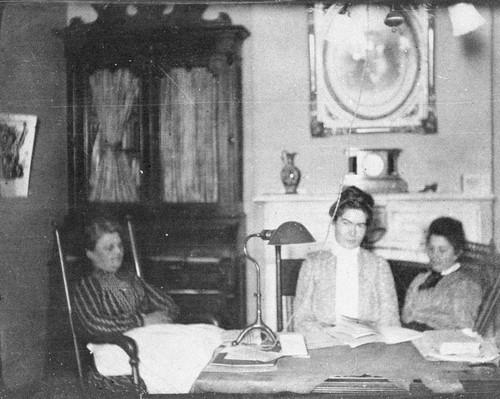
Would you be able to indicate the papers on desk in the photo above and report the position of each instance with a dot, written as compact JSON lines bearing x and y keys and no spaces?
{"x":356,"y":332}
{"x":223,"y":362}
{"x":455,"y":346}
{"x":243,"y":358}
{"x":293,"y":344}
{"x":252,"y":358}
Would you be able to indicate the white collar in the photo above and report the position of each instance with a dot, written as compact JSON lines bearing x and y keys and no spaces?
{"x":340,"y":251}
{"x":451,"y":269}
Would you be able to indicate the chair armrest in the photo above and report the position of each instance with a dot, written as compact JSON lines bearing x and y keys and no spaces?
{"x":123,"y":341}
{"x":128,"y":345}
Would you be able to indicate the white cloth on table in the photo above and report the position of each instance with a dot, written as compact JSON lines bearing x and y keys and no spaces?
{"x":171,"y":355}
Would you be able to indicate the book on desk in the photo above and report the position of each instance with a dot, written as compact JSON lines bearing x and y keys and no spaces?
{"x":223,"y":362}
{"x":356,"y":332}
{"x":253,"y":358}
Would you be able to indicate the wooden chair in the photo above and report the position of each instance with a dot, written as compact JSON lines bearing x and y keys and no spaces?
{"x":403,"y":273}
{"x":489,"y":258}
{"x":72,"y":268}
{"x":290,"y":269}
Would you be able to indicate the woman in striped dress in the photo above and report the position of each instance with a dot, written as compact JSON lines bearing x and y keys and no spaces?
{"x":110,"y":299}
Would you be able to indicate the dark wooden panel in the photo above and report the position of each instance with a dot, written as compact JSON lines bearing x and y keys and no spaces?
{"x":290,"y":269}
{"x":404,"y":272}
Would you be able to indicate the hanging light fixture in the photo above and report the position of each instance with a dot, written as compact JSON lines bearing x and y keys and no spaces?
{"x":394,"y":17}
{"x":464,"y":18}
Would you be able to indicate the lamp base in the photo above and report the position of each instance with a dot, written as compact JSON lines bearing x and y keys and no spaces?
{"x":259,"y":326}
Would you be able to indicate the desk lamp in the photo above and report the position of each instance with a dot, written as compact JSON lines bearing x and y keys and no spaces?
{"x":258,"y":325}
{"x":287,"y":233}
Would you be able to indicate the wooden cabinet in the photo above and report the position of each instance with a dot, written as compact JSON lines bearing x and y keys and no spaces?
{"x":200,"y":266}
{"x":154,"y":107}
{"x":205,"y":288}
{"x":155,"y":131}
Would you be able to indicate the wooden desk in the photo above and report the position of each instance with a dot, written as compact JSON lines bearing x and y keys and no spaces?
{"x":401,"y":364}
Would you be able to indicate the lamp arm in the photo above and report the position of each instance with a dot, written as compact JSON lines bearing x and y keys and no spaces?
{"x":245,"y":251}
{"x":257,"y":271}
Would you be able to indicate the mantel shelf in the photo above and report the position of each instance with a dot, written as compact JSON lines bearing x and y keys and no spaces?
{"x":279,"y":197}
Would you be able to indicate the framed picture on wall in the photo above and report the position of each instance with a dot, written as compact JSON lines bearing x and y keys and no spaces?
{"x":367,"y":77}
{"x":17,"y":137}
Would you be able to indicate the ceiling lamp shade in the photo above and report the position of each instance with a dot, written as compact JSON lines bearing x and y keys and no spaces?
{"x":394,"y":17}
{"x":290,"y":233}
{"x":464,"y":18}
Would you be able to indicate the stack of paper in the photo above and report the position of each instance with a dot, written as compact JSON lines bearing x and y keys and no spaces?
{"x":293,"y":344}
{"x":253,"y":358}
{"x":460,"y":348}
{"x":221,"y":362}
{"x":455,"y":346}
{"x":243,"y":358}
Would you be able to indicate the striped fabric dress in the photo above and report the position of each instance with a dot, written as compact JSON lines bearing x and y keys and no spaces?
{"x":115,"y":302}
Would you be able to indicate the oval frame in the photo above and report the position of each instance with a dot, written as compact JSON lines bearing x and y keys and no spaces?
{"x":357,"y":67}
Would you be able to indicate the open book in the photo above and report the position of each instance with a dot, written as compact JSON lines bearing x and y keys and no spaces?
{"x":355,"y":332}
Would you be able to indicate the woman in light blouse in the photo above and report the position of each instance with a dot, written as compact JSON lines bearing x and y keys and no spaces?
{"x":345,"y":279}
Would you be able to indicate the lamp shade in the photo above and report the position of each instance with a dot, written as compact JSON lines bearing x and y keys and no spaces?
{"x":464,"y":18}
{"x":394,"y":17}
{"x":291,"y":233}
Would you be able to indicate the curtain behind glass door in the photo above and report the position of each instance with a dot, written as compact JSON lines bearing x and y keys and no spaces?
{"x":188,"y":136}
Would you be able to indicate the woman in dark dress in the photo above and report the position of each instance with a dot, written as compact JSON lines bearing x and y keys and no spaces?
{"x":111,"y":299}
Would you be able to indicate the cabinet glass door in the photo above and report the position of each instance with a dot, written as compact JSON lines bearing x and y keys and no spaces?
{"x":114,"y":174}
{"x":188,"y":136}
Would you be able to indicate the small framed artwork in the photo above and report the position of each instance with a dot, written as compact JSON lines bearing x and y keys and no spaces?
{"x":366,"y":77}
{"x":476,"y":184}
{"x":17,"y":137}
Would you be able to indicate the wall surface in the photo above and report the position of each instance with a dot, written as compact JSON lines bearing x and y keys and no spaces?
{"x":278,"y":105}
{"x":32,"y":81}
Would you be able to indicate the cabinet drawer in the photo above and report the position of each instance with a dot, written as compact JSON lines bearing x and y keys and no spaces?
{"x":193,"y":276}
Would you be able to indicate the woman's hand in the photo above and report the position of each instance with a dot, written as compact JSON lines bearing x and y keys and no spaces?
{"x":158,"y":317}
